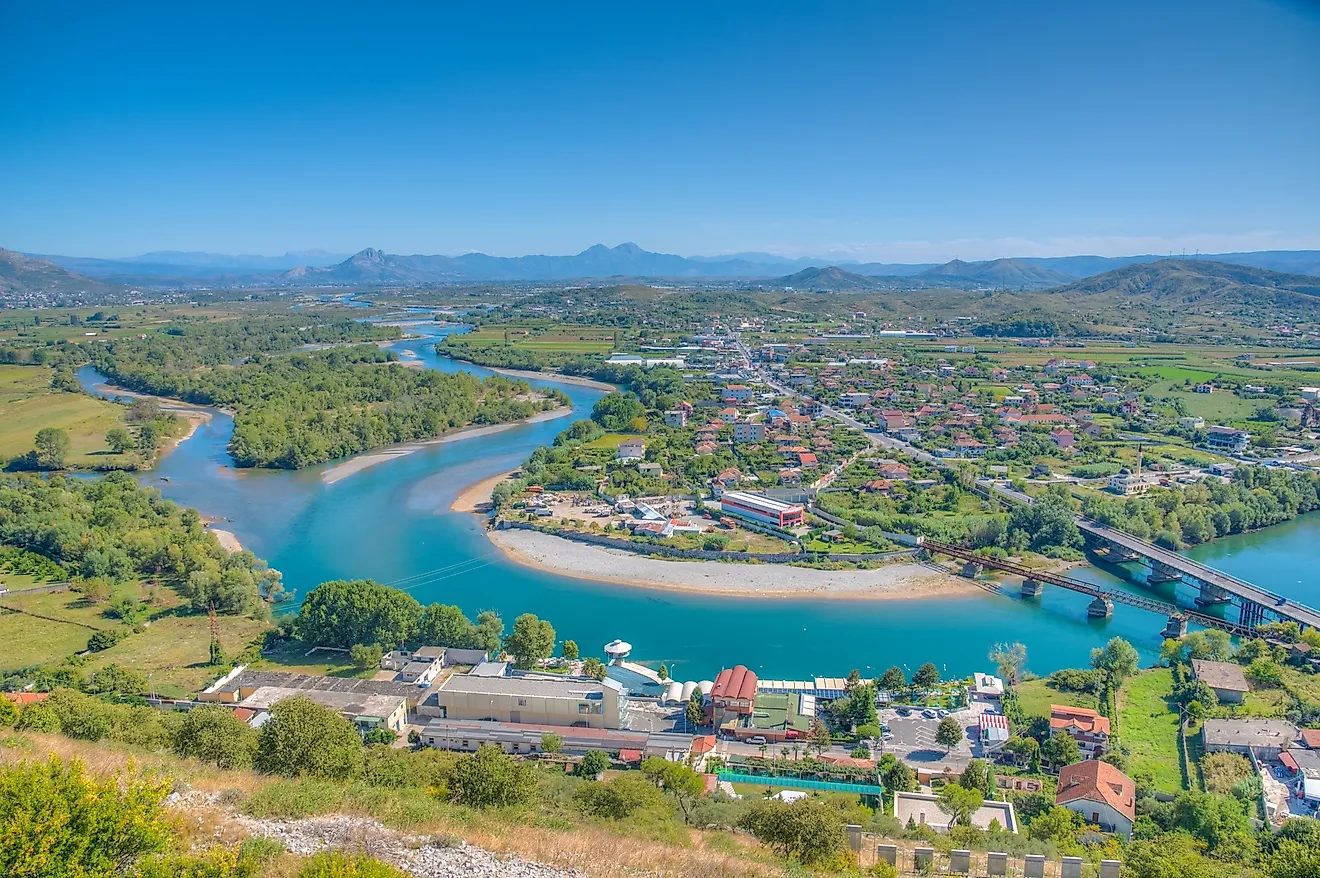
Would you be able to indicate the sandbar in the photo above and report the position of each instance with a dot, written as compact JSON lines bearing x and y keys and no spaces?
{"x":228,"y":541}
{"x":473,"y":497}
{"x":896,"y":581}
{"x":552,"y":376}
{"x":371,"y":458}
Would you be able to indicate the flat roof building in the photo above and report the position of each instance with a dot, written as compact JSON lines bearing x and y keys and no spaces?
{"x":925,"y":808}
{"x":1226,"y":678}
{"x":528,"y":698}
{"x":365,"y":710}
{"x":1267,"y":738}
{"x":525,"y":738}
{"x":758,"y":507}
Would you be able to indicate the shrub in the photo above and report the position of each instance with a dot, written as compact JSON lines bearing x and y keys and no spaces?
{"x":214,"y":735}
{"x":55,"y":820}
{"x":491,"y":778}
{"x":807,"y":831}
{"x":620,"y":797}
{"x":592,"y":764}
{"x":339,"y":865}
{"x":105,"y":638}
{"x":303,"y":738}
{"x":38,"y":717}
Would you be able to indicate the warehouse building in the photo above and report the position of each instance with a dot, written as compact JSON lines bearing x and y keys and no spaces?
{"x":528,"y":698}
{"x":762,"y":509}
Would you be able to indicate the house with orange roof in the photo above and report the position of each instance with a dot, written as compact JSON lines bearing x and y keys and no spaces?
{"x":1087,"y":727}
{"x":1103,"y":795}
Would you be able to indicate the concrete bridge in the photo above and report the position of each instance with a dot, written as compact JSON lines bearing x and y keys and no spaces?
{"x":1255,"y":604}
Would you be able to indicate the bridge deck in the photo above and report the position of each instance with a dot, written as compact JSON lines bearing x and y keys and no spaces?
{"x":1275,"y":603}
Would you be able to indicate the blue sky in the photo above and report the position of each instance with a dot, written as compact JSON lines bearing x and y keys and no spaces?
{"x":897,"y":132}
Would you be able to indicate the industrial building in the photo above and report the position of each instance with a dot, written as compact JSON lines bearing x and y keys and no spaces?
{"x":762,"y":509}
{"x":527,"y":739}
{"x":365,"y":710}
{"x":528,"y":698}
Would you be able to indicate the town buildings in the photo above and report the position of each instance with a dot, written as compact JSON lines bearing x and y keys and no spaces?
{"x":1087,"y":727}
{"x":1103,"y":795}
{"x":759,"y":508}
{"x":544,"y":699}
{"x":1225,"y":678}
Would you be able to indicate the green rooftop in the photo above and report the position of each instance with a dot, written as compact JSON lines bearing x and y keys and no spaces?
{"x":778,"y":711}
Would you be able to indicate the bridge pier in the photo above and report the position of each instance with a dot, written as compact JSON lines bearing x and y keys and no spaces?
{"x":1032,"y":588}
{"x":1212,"y":594}
{"x":1100,"y":608}
{"x":972,"y":569}
{"x":1176,"y":627}
{"x":1250,"y":614}
{"x":1161,"y":572}
{"x":1116,"y":552}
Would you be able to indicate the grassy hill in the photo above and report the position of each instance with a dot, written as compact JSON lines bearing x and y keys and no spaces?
{"x":26,"y":275}
{"x":1175,"y":283}
{"x":833,"y":279}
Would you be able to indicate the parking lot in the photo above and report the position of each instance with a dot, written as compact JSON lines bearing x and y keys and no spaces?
{"x":913,"y":736}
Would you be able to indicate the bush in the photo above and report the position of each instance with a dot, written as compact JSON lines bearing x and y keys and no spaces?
{"x":807,"y":831}
{"x":338,"y":865}
{"x":593,"y":764}
{"x":214,"y":735}
{"x":491,"y":778}
{"x":218,"y":862}
{"x":619,"y":798}
{"x":57,"y":821}
{"x":105,"y":639}
{"x":304,"y":739}
{"x":38,"y":717}
{"x":365,"y":657}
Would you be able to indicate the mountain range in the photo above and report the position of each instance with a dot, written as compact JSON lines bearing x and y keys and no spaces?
{"x":376,"y":267}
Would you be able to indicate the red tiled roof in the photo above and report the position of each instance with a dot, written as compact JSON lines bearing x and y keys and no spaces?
{"x":1096,"y":781}
{"x":630,"y":755}
{"x":703,"y":744}
{"x":1079,"y":718}
{"x":25,"y":698}
{"x":1311,"y":739}
{"x":735,"y":682}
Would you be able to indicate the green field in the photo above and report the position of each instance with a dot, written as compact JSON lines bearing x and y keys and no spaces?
{"x":1148,"y":727}
{"x":560,"y":338}
{"x":27,"y":404}
{"x":1036,"y":696}
{"x":1216,"y":407}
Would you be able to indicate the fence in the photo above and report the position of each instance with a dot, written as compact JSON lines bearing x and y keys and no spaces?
{"x":695,"y":554}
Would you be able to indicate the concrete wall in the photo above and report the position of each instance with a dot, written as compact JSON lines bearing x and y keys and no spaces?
{"x":1109,"y":819}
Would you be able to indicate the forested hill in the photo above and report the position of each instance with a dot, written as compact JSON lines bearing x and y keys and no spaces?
{"x":297,"y":409}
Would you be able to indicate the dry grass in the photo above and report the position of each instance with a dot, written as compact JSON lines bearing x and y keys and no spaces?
{"x":594,"y":850}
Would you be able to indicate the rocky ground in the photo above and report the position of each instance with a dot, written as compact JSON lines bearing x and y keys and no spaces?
{"x":422,"y":856}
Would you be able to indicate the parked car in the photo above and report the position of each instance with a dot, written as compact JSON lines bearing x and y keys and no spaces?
{"x":756,"y":739}
{"x":930,"y":713}
{"x":904,"y":711}
{"x":942,"y":712}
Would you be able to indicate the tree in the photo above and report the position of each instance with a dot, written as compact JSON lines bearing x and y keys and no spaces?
{"x":663,"y":673}
{"x":979,"y":776}
{"x":1048,"y":523}
{"x":531,"y":641}
{"x":1210,"y":644}
{"x":949,"y":734}
{"x":818,"y":737}
{"x":95,"y":590}
{"x":896,"y":775}
{"x":445,"y":625}
{"x":52,"y":445}
{"x":214,"y":735}
{"x":305,"y":739}
{"x":614,"y":411}
{"x":960,"y":803}
{"x":57,"y":821}
{"x":677,"y":780}
{"x":491,"y":778}
{"x":927,"y":676}
{"x":594,"y":668}
{"x":119,"y":440}
{"x":1010,"y":659}
{"x":1060,"y":749}
{"x":593,"y":764}
{"x":807,"y":831}
{"x":116,"y":679}
{"x":551,"y":743}
{"x":8,"y":713}
{"x":365,"y":657}
{"x":570,"y":650}
{"x":1117,"y":658}
{"x":351,"y":611}
{"x":1057,"y":824}
{"x":893,"y":679}
{"x":696,"y":709}
{"x":619,"y":797}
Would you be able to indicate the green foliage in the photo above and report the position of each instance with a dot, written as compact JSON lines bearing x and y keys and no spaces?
{"x":105,"y":638}
{"x":445,"y":625}
{"x":112,"y":528}
{"x":1047,"y":523}
{"x":949,"y":733}
{"x":551,"y":743}
{"x":1117,"y":659}
{"x":893,"y":679}
{"x":619,"y":797}
{"x":305,"y":739}
{"x":357,"y":611}
{"x":56,"y":822}
{"x":51,"y":447}
{"x":615,"y":411}
{"x":38,"y":717}
{"x":119,"y":440}
{"x":8,"y":712}
{"x":216,"y":862}
{"x":115,"y":679}
{"x":365,"y":657}
{"x":1060,"y":749}
{"x":594,"y":668}
{"x":807,"y":831}
{"x":927,"y":676}
{"x":979,"y":776}
{"x":531,"y":640}
{"x":592,"y":764}
{"x":570,"y":650}
{"x":960,"y":802}
{"x":695,"y":712}
{"x":214,"y":735}
{"x":335,"y":864}
{"x":677,"y":780}
{"x":491,"y":778}
{"x":1010,"y":661}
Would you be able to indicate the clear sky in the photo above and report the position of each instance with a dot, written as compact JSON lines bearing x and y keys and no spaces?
{"x":906,"y":131}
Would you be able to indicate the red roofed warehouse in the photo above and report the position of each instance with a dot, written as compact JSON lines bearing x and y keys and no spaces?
{"x":733,"y":694}
{"x":1101,"y":793}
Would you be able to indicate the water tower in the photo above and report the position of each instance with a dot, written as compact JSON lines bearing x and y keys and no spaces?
{"x":617,"y":650}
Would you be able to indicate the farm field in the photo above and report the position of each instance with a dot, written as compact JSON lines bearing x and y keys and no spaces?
{"x":27,"y":404}
{"x":554,"y":339}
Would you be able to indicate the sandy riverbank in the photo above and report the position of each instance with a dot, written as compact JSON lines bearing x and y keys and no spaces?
{"x":228,"y":541}
{"x":891,"y":582}
{"x":369,"y":459}
{"x":553,"y":376}
{"x":473,"y":497}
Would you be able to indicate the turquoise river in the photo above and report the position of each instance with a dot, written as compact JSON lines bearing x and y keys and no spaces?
{"x":391,"y":522}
